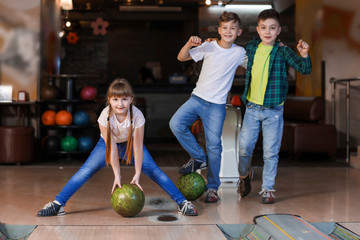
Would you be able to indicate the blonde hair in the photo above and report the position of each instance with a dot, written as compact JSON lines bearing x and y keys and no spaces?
{"x":120,"y":88}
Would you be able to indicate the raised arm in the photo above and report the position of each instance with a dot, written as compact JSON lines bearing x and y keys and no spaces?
{"x":184,"y":52}
{"x":301,"y":64}
{"x":303,"y":48}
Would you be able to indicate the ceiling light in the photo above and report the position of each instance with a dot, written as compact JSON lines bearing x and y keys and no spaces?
{"x":208,"y":2}
{"x":220,"y":3}
{"x":249,"y":6}
{"x":149,"y":9}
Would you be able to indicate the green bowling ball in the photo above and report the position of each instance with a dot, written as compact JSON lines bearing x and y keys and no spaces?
{"x":69,"y":143}
{"x":191,"y":185}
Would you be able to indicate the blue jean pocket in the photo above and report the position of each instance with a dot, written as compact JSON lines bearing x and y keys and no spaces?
{"x":249,"y":105}
{"x":278,"y":108}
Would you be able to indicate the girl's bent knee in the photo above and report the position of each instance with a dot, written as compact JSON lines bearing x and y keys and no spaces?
{"x":172,"y":124}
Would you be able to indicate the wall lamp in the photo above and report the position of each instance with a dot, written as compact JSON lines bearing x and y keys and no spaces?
{"x":66,"y":4}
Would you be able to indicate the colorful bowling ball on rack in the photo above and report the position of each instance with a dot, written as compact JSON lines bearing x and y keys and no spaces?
{"x":48,"y":93}
{"x":63,"y":117}
{"x":85,"y":143}
{"x":69,"y":143}
{"x":52,"y":143}
{"x":128,"y":200}
{"x":48,"y":118}
{"x":81,"y":118}
{"x":93,"y":117}
{"x":88,"y":93}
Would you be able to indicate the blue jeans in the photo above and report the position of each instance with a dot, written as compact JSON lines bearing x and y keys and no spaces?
{"x":271,"y":122}
{"x":212,"y":116}
{"x":96,"y":161}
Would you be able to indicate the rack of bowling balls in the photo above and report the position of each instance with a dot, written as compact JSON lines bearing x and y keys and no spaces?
{"x":52,"y":93}
{"x":63,"y":119}
{"x":66,"y":127}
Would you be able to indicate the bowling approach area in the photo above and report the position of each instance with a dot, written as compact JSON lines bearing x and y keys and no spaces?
{"x":316,"y":194}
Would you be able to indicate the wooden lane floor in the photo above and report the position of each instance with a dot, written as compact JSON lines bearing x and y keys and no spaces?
{"x":315,"y":194}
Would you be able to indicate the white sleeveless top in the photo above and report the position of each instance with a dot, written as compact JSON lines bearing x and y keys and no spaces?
{"x":120,"y":130}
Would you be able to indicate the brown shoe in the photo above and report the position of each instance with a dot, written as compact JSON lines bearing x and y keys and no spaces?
{"x":244,"y":184}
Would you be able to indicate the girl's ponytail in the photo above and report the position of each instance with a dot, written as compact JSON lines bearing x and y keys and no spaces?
{"x":108,"y":139}
{"x":129,"y":147}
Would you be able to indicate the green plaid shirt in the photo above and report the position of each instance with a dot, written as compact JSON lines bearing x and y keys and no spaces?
{"x":280,"y":58}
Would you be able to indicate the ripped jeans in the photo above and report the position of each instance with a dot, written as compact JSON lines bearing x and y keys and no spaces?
{"x":271,"y":122}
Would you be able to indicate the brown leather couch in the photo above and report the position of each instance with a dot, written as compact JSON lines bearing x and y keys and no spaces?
{"x":305,"y":130}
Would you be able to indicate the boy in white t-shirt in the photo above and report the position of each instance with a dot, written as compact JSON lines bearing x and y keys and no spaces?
{"x":208,"y":99}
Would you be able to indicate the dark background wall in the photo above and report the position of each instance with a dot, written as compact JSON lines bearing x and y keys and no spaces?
{"x":134,"y":40}
{"x":129,"y":44}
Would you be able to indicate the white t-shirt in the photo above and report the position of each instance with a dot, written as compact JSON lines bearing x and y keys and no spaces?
{"x":218,"y":70}
{"x":120,"y":130}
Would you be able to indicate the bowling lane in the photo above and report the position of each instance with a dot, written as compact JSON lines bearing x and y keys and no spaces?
{"x":24,"y":196}
{"x":317,"y":196}
{"x":202,"y":232}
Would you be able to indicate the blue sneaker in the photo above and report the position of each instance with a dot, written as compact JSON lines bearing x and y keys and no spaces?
{"x":191,"y":166}
{"x":51,"y":209}
{"x":187,"y":208}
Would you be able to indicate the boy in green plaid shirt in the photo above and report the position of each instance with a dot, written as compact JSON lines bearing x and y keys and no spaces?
{"x":265,"y":92}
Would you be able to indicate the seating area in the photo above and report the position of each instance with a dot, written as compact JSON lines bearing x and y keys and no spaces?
{"x":305,"y":130}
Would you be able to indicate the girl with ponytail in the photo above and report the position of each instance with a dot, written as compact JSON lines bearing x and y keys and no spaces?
{"x":122,"y":133}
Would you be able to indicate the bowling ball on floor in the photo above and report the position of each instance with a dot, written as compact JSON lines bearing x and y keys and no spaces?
{"x":69,"y":143}
{"x":48,"y":118}
{"x":81,"y":118}
{"x":52,"y":143}
{"x":63,"y":117}
{"x":85,"y":143}
{"x":191,"y":185}
{"x":88,"y":93}
{"x":128,"y":200}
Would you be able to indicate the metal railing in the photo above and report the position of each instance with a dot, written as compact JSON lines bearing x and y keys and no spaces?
{"x":347,"y":81}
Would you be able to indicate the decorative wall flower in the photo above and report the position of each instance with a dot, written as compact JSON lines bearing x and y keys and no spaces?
{"x":99,"y":26}
{"x":72,"y":38}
